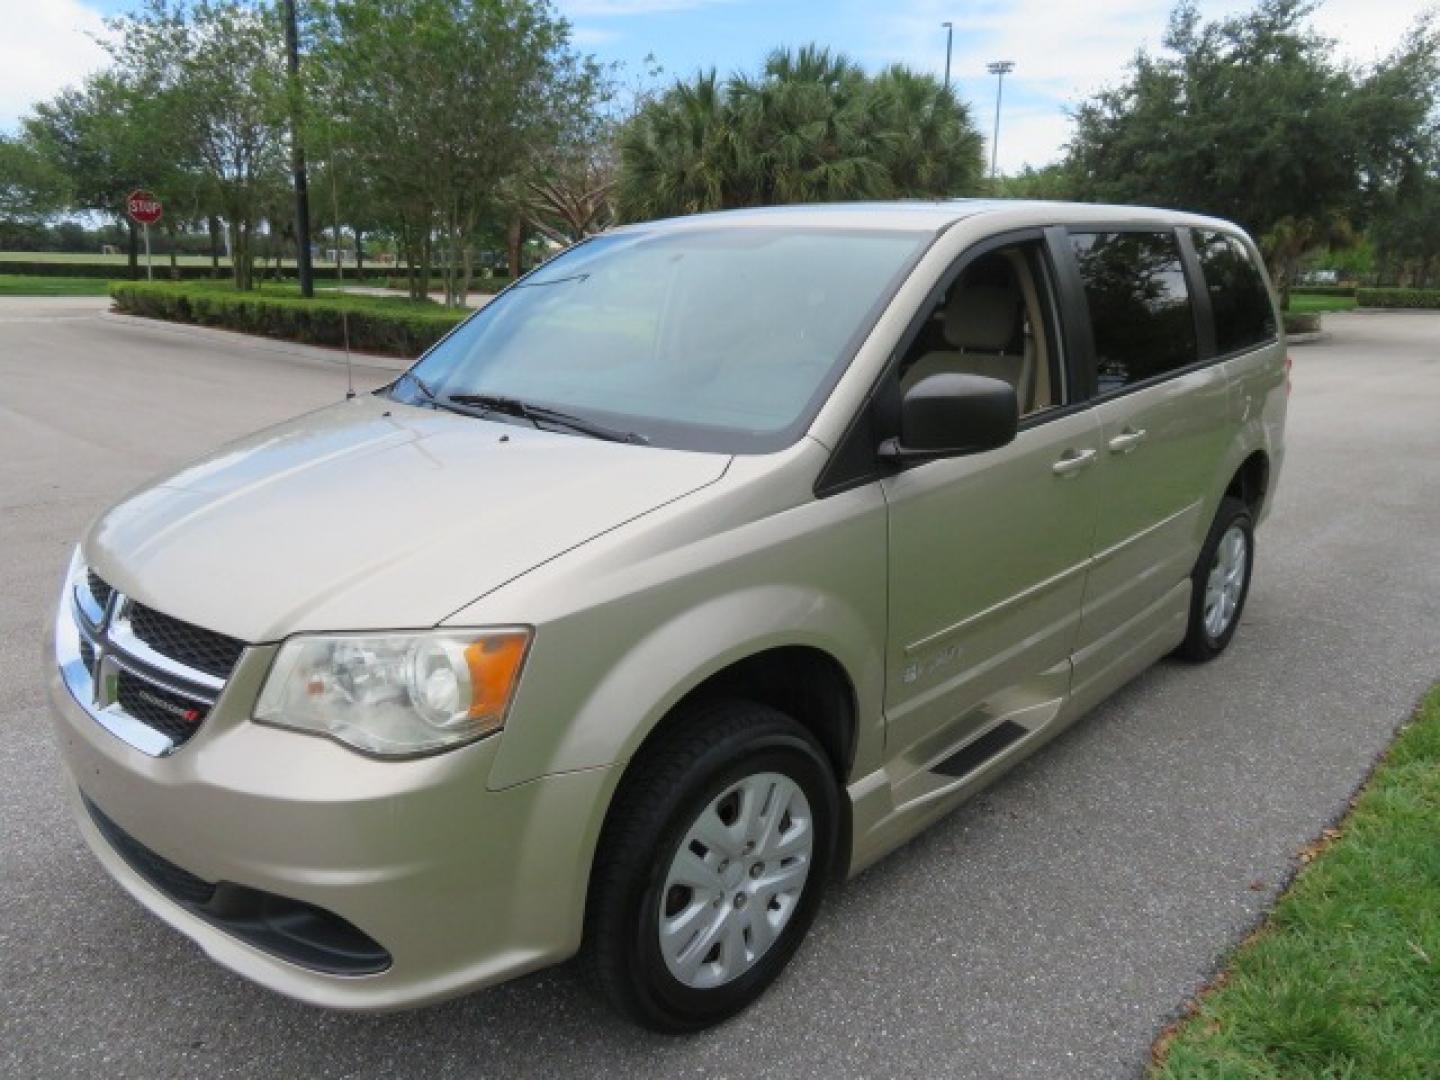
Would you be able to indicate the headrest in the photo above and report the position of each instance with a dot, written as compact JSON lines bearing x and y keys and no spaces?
{"x":982,"y":317}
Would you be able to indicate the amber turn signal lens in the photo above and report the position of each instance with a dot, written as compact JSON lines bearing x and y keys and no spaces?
{"x":494,"y":664}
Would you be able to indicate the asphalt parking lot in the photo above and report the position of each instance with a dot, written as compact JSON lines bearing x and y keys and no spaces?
{"x":1049,"y":928}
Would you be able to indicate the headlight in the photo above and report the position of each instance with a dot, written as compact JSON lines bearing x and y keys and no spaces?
{"x":396,"y":695}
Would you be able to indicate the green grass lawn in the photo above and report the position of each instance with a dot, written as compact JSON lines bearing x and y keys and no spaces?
{"x":1302,"y":304}
{"x":25,"y":285}
{"x":1343,"y":980}
{"x":161,"y":261}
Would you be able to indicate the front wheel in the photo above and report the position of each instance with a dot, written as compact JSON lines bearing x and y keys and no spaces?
{"x":711,"y":866}
{"x":1220,"y":582}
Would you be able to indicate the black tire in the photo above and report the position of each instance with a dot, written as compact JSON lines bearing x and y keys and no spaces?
{"x":709,"y":748}
{"x":1200,"y":644}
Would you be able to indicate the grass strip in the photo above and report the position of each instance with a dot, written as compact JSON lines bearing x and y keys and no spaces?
{"x":1343,"y":979}
{"x":30,"y":285}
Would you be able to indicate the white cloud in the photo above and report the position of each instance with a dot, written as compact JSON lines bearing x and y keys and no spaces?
{"x":592,"y":35}
{"x":46,"y":46}
{"x":1065,"y":50}
{"x":581,"y":9}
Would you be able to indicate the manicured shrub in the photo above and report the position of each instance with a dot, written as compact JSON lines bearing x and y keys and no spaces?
{"x":1302,"y":322}
{"x":477,"y":284}
{"x":1323,"y":290}
{"x":1398,"y":298}
{"x":376,"y":324}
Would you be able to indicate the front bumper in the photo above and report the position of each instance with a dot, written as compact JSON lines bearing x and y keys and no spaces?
{"x":462,"y":886}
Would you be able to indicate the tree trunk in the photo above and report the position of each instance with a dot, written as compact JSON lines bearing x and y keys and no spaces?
{"x":467,"y":272}
{"x":454,"y":240}
{"x":174,"y":261}
{"x":427,"y":252}
{"x":240,"y":267}
{"x":133,"y":240}
{"x":213,"y":223}
{"x":359,"y":253}
{"x":514,"y":237}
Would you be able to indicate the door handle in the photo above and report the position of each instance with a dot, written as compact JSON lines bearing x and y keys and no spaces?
{"x":1127,"y":440}
{"x":1073,"y":461}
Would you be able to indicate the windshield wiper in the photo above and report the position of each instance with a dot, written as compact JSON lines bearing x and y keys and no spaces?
{"x":425,"y":388}
{"x":538,"y":414}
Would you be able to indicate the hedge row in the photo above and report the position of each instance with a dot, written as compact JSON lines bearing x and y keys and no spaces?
{"x":381,"y":326}
{"x":1301,"y":322}
{"x":477,"y":285}
{"x":1398,"y":298}
{"x":1323,"y":290}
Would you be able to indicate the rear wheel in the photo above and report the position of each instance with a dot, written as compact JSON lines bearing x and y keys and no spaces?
{"x":1220,"y":582}
{"x":711,"y":866}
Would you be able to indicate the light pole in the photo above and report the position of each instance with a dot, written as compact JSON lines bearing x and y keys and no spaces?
{"x":949,"y":40}
{"x":297,"y":156}
{"x":998,"y":68}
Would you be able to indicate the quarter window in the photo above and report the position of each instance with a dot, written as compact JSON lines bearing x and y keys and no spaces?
{"x":1239,"y":299}
{"x":1140,"y":311}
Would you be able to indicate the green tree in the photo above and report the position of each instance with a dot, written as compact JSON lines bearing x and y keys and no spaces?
{"x":86,"y":135}
{"x":211,"y":75}
{"x":1049,"y":182}
{"x":31,"y":187}
{"x":812,"y":126}
{"x":566,"y":188}
{"x":437,"y":103}
{"x":1250,"y":117}
{"x":1406,"y":231}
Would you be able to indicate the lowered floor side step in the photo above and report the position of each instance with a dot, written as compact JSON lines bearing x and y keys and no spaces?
{"x":974,"y":754}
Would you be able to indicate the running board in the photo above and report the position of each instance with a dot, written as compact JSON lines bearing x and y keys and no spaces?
{"x":974,"y":754}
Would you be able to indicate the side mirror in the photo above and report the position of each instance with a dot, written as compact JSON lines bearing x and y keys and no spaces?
{"x":948,"y":415}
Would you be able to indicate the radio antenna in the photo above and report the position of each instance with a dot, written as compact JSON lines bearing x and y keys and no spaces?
{"x":340,"y":269}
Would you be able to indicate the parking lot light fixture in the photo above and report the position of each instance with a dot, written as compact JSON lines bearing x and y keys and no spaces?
{"x":998,"y":68}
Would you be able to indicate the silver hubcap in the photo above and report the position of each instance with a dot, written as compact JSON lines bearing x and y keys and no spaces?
{"x":736,"y":880}
{"x":1227,"y":579}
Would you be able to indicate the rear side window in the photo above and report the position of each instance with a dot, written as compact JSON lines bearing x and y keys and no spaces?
{"x":1238,"y":297}
{"x":1140,"y":309}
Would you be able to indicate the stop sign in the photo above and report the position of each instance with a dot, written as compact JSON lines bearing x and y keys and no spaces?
{"x":143,"y":207}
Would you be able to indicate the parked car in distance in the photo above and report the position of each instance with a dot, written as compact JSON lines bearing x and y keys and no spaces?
{"x":706,"y":565}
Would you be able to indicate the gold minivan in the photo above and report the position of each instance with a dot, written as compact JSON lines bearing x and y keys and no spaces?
{"x":707,"y":564}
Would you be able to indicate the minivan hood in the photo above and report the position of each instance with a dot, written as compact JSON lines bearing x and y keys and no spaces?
{"x":373,"y":515}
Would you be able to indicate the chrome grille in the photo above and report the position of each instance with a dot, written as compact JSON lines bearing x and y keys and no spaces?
{"x":173,"y":715}
{"x":98,"y":588}
{"x":213,"y":653}
{"x":145,"y":676}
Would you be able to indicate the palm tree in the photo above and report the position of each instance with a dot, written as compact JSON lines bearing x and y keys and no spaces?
{"x":931,"y":148}
{"x":810,"y":127}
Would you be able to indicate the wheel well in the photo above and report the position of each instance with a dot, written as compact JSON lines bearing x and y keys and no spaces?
{"x":804,"y":683}
{"x":1251,"y":481}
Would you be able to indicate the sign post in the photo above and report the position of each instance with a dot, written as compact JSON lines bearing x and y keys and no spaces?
{"x":145,"y":210}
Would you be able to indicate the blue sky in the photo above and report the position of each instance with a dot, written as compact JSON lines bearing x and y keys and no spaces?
{"x":1063,"y":49}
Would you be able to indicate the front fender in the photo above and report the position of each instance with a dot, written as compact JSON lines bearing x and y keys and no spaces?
{"x":553,"y":732}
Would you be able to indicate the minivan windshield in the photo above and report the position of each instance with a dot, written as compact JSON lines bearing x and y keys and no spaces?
{"x":723,"y":339}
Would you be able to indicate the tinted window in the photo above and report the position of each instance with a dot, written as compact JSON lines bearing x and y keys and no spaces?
{"x":1139,"y":305}
{"x":1238,"y":297}
{"x":699,"y":338}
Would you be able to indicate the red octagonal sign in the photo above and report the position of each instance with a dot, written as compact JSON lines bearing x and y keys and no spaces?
{"x":143,"y":207}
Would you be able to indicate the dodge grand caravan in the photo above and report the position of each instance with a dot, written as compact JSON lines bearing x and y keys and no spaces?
{"x":704,"y":566}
